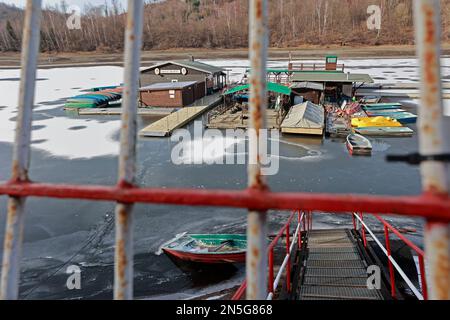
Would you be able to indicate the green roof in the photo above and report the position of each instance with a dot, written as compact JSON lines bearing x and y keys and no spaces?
{"x":332,"y":77}
{"x":271,"y":86}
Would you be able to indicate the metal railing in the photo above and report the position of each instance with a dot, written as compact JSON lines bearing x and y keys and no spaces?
{"x":433,"y":204}
{"x":316,"y":67}
{"x":286,"y":264}
{"x":274,"y":281}
{"x":392,"y":263}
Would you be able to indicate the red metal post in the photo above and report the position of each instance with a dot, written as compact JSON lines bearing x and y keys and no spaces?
{"x":271,"y":275}
{"x":288,"y":267}
{"x":391,"y":267}
{"x":423,"y":277}
{"x":299,"y":219}
{"x":363,"y":229}
{"x":354,"y":221}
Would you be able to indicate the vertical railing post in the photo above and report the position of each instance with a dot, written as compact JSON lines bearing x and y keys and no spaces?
{"x":354,"y":221}
{"x":256,"y":262}
{"x":363,"y":229}
{"x":391,"y":267}
{"x":271,"y":271}
{"x":299,"y":226}
{"x":433,"y":140}
{"x":21,"y":154}
{"x":288,"y":267}
{"x":423,"y":277}
{"x":123,"y":266}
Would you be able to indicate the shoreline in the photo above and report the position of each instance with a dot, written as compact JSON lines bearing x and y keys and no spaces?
{"x":11,"y":60}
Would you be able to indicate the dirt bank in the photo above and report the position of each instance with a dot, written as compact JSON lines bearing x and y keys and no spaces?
{"x":46,"y":60}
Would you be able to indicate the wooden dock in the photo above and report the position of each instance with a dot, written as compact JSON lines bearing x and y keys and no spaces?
{"x":118,"y":111}
{"x":165,"y":126}
{"x":239,"y":120}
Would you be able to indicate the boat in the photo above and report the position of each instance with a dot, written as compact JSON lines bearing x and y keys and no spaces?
{"x":404,"y":117}
{"x":385,"y":131}
{"x":370,"y":99}
{"x":383,"y":112}
{"x":358,"y":145}
{"x":94,"y":98}
{"x":208,"y":248}
{"x":375,"y":122}
{"x":306,"y":118}
{"x":393,"y":105}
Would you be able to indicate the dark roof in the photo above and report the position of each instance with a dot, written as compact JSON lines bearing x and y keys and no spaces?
{"x":168,"y":86}
{"x":196,"y":65}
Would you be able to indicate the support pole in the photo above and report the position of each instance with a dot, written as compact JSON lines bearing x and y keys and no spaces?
{"x":434,"y":140}
{"x":123,"y":264}
{"x":12,"y":249}
{"x":256,"y":262}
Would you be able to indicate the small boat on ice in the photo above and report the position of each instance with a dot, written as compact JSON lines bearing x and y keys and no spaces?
{"x":386,"y":131}
{"x":208,"y":248}
{"x":358,"y":145}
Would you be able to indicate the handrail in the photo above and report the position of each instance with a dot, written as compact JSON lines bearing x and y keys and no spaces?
{"x":274,"y":282}
{"x":392,"y":263}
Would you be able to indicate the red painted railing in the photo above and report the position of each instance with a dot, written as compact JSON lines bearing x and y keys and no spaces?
{"x":304,"y":222}
{"x":388,"y":228}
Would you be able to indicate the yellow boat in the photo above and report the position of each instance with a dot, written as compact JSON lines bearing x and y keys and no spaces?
{"x":375,"y":122}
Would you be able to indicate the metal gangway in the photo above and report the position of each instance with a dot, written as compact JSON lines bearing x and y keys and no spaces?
{"x":433,"y":205}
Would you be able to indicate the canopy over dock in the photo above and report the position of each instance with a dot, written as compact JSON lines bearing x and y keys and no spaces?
{"x":273,"y":87}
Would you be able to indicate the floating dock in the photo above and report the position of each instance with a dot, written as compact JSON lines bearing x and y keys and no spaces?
{"x":118,"y":111}
{"x":165,"y":126}
{"x":239,"y":120}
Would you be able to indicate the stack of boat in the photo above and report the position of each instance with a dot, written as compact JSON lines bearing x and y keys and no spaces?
{"x":95,"y":98}
{"x":391,"y":110}
{"x":384,"y":119}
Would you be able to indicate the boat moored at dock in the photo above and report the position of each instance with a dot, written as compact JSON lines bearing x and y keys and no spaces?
{"x":208,"y":248}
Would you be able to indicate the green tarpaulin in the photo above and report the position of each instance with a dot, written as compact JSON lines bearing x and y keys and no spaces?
{"x":273,"y":87}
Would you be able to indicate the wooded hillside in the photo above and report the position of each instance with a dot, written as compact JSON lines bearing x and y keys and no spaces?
{"x":220,"y":24}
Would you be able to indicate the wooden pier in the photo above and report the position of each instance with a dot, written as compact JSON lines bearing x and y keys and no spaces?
{"x":239,"y":120}
{"x":118,"y":111}
{"x":165,"y":126}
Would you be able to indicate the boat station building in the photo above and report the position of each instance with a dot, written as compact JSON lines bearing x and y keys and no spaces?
{"x":171,"y":94}
{"x":210,"y":77}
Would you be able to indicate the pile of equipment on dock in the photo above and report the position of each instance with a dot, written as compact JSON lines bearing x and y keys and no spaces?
{"x":95,"y":98}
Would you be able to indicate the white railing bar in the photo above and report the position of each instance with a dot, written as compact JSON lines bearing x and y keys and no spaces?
{"x":286,"y":259}
{"x":399,"y":269}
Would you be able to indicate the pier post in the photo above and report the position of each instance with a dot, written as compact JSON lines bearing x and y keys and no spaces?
{"x":123,"y":263}
{"x":256,"y":262}
{"x":433,"y":140}
{"x":12,"y":250}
